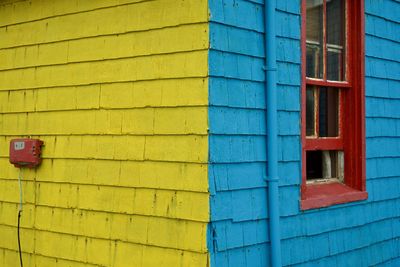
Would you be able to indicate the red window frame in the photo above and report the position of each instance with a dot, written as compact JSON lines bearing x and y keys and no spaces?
{"x":352,"y":114}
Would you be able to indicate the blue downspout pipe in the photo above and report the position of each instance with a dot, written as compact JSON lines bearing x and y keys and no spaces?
{"x":272,"y":132}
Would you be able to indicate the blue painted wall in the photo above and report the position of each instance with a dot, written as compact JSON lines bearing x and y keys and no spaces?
{"x":358,"y":234}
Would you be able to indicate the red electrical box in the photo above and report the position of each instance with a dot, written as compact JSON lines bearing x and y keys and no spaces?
{"x":26,"y":152}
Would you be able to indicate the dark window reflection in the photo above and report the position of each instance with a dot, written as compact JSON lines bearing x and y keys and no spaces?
{"x":310,"y":111}
{"x":335,"y":65}
{"x":325,"y":164}
{"x":335,"y":36}
{"x":328,"y":112}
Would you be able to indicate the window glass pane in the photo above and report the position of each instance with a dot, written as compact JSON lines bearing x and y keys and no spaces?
{"x":335,"y":37}
{"x":314,"y":39}
{"x":325,"y":165}
{"x":310,"y":110}
{"x":328,"y":112}
{"x":335,"y":66}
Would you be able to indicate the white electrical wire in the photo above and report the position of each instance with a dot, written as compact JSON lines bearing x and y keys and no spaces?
{"x":20,"y":189}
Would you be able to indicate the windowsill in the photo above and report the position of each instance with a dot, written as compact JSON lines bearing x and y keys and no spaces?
{"x":324,"y":195}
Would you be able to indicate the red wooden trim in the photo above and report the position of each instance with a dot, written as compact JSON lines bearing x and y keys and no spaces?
{"x":352,"y":115}
{"x":303,"y":98}
{"x":327,"y":143}
{"x":319,"y":82}
{"x":354,"y":138}
{"x":361,"y":65}
{"x":358,"y":94}
{"x":324,"y":195}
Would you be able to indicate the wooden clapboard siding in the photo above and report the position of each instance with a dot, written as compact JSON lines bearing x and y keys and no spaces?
{"x":118,"y":91}
{"x":359,"y":234}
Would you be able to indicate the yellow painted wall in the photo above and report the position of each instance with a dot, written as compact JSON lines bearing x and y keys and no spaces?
{"x":117,"y":89}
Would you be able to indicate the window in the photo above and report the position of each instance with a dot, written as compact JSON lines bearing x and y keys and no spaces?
{"x":333,"y":146}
